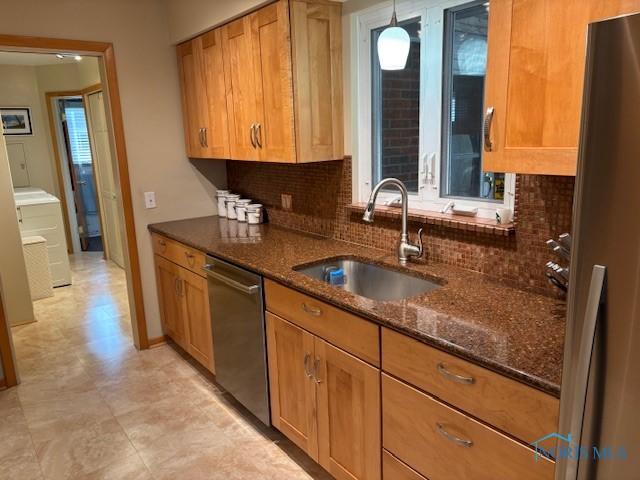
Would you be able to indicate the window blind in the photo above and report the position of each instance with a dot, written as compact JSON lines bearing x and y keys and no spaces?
{"x":78,"y":135}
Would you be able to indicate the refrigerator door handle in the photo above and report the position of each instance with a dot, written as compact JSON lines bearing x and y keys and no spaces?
{"x":567,"y":469}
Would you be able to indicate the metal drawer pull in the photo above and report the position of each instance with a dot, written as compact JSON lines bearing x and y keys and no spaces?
{"x":456,"y":378}
{"x":488,"y":121}
{"x":316,"y":312}
{"x":252,"y":135}
{"x":259,"y":135}
{"x":204,"y":137}
{"x":248,"y":289}
{"x":190,"y":258}
{"x":316,"y":365}
{"x":307,"y":370}
{"x":162,"y":243}
{"x":460,"y":441}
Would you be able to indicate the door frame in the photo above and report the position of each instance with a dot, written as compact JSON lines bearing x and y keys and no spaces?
{"x":105,"y":51}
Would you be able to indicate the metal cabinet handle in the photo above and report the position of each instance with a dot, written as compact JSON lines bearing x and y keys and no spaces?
{"x":488,"y":121}
{"x":176,"y":286}
{"x":259,"y":135}
{"x":307,"y":370}
{"x":252,"y":134}
{"x":457,"y":440}
{"x":452,"y":376}
{"x":316,"y":312}
{"x":248,"y":289}
{"x":204,"y":137}
{"x":190,"y":258}
{"x":200,"y":137}
{"x":316,"y":366}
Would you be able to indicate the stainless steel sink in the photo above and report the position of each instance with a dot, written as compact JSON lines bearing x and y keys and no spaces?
{"x":369,"y":280}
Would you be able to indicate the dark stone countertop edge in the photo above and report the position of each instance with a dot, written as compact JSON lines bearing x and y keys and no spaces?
{"x":530,"y":380}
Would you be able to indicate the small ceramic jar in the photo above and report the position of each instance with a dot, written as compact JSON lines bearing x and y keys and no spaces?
{"x":254,"y":213}
{"x":220,"y":197}
{"x":241,"y":209}
{"x":231,"y":200}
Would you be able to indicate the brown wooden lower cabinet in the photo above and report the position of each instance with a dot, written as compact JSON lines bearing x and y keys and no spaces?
{"x":184,"y":310}
{"x":325,"y":400}
{"x":442,"y":443}
{"x":394,"y":469}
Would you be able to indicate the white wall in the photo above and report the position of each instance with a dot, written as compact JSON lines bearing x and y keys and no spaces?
{"x":150,"y":97}
{"x":19,"y":88}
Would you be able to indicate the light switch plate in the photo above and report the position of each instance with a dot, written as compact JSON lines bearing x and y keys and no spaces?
{"x":150,"y":199}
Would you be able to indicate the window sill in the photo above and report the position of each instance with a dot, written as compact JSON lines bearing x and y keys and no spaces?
{"x":459,"y":222}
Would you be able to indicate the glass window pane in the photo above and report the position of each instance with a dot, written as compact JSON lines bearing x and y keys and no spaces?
{"x":396,"y":113}
{"x":465,"y":60}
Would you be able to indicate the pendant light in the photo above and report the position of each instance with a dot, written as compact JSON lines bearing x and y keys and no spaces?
{"x":393,"y":45}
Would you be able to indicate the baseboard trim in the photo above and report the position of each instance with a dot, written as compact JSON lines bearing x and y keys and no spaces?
{"x":157,"y":341}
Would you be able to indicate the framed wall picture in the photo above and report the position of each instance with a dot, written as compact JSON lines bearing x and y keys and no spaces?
{"x":16,"y":120}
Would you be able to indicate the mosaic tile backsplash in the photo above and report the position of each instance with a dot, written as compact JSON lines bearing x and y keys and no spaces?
{"x":322,"y":191}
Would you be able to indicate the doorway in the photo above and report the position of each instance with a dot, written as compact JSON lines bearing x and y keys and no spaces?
{"x":130,"y":278}
{"x":72,"y":122}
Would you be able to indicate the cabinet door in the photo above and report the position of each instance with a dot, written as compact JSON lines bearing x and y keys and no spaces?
{"x":349,"y":415}
{"x":292,"y":388}
{"x":168,"y":280}
{"x":241,"y":88}
{"x":195,"y":308}
{"x":316,"y":36}
{"x":216,"y":134}
{"x":535,"y":74}
{"x":271,"y":56}
{"x":193,"y":96}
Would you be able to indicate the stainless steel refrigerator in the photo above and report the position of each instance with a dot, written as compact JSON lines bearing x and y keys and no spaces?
{"x":600,"y":400}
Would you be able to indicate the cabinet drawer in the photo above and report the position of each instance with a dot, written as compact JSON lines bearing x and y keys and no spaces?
{"x":394,"y":469}
{"x":354,"y":334}
{"x":176,"y":252}
{"x":442,"y":443}
{"x":522,"y":411}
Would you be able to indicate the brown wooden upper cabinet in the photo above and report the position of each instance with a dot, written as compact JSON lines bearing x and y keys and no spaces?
{"x":267,"y":86}
{"x":535,"y":75}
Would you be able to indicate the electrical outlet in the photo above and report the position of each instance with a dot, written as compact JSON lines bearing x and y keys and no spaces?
{"x":287,"y":201}
{"x":150,"y":199}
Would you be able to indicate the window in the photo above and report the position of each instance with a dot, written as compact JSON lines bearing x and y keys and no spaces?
{"x":423,"y":124}
{"x":77,"y":131}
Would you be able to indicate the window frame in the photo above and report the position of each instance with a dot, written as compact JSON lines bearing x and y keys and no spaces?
{"x":430,"y":195}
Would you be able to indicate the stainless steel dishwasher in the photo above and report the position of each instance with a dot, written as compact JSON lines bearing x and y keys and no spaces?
{"x":237,"y":320}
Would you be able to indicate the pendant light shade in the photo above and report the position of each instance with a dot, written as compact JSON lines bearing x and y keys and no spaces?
{"x":393,"y":45}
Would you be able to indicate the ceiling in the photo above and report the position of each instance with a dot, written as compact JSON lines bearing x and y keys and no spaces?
{"x":31,"y":59}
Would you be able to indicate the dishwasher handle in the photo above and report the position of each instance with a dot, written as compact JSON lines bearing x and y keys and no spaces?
{"x":248,"y":289}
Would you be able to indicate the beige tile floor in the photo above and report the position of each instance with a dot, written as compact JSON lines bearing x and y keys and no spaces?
{"x":91,"y":406}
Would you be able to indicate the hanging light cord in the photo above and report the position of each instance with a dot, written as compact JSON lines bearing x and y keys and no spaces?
{"x":394,"y":19}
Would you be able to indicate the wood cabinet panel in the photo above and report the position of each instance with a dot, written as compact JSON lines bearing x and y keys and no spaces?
{"x":271,"y":50}
{"x":171,"y":314}
{"x":316,"y":30}
{"x":241,"y":88}
{"x":292,"y":387}
{"x":535,"y":76}
{"x":216,"y":134}
{"x":345,"y":330}
{"x":349,"y":443}
{"x":180,"y":254}
{"x":442,"y":443}
{"x":193,"y":88}
{"x":196,"y":314}
{"x":520,"y":410}
{"x":394,"y":469}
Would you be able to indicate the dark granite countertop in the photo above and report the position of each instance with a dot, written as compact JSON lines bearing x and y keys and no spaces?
{"x":516,"y":333}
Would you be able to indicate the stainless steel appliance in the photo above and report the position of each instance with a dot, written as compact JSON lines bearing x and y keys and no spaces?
{"x":237,"y":320}
{"x":601,"y":376}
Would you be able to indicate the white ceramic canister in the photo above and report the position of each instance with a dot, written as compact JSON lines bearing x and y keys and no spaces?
{"x":220,"y":197}
{"x":241,"y":209}
{"x":254,"y":213}
{"x":231,"y":200}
